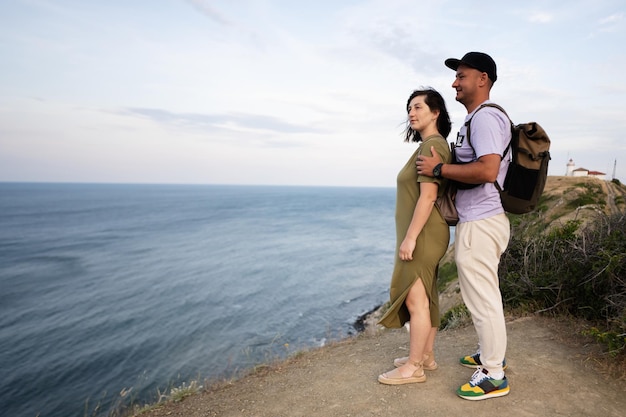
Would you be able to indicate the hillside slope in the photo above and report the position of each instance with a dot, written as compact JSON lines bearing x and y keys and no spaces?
{"x":568,"y":198}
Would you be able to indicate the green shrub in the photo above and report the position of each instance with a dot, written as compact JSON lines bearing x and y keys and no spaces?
{"x":614,"y":342}
{"x":447,"y":273}
{"x":457,"y":316}
{"x":592,"y":194}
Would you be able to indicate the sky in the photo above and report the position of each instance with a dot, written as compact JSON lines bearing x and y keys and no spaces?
{"x":282,"y":92}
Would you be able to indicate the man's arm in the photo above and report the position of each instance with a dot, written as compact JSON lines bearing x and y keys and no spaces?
{"x":484,"y":170}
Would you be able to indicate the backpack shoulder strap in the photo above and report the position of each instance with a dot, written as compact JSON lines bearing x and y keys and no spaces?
{"x":467,"y":126}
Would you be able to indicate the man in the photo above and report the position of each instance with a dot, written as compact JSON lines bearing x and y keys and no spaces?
{"x":483,"y":231}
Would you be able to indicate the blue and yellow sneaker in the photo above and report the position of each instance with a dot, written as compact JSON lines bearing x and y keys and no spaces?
{"x":473,"y":361}
{"x":483,"y":386}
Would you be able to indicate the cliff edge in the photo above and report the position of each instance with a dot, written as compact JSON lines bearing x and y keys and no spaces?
{"x":551,"y":373}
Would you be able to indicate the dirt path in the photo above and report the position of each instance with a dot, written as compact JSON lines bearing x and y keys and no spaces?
{"x":548,"y":373}
{"x":612,"y":192}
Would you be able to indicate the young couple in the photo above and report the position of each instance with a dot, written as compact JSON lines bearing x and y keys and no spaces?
{"x":482,"y":233}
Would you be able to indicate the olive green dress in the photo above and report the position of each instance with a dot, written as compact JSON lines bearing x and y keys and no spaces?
{"x":431,"y":245}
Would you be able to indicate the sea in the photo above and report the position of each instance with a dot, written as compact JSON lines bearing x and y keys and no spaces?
{"x":112,"y":294}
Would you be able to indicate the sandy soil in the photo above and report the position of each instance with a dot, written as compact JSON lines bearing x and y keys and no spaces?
{"x":550,"y":374}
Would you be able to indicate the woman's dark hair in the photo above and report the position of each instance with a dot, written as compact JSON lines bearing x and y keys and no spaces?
{"x":435,"y":102}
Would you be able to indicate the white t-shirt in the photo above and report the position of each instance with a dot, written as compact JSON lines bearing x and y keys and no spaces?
{"x":490,"y":134}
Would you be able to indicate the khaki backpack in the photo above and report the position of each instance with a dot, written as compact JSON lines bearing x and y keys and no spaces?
{"x":526,"y":177}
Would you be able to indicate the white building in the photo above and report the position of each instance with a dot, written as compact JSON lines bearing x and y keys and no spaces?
{"x":572,"y":171}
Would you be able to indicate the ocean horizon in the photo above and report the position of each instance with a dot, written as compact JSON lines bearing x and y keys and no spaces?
{"x":109,"y":288}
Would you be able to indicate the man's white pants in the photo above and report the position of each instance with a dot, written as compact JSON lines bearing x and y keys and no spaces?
{"x":478,"y":247}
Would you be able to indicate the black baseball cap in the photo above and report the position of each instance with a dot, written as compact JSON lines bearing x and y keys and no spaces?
{"x":477,"y":60}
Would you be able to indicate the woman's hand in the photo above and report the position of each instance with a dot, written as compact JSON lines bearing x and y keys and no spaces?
{"x":406,"y":249}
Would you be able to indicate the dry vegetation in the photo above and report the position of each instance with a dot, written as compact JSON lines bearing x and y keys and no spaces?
{"x":569,"y":258}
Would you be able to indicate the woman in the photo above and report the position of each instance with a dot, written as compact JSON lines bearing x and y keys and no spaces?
{"x":422,"y":238}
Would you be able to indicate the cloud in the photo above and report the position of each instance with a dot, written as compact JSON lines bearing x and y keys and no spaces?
{"x":540,"y":17}
{"x":381,"y":29}
{"x":611,"y":23}
{"x":206,"y":9}
{"x":228,"y":121}
{"x":614,"y":18}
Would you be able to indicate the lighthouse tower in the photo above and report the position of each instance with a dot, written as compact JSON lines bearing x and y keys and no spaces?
{"x":570,"y":168}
